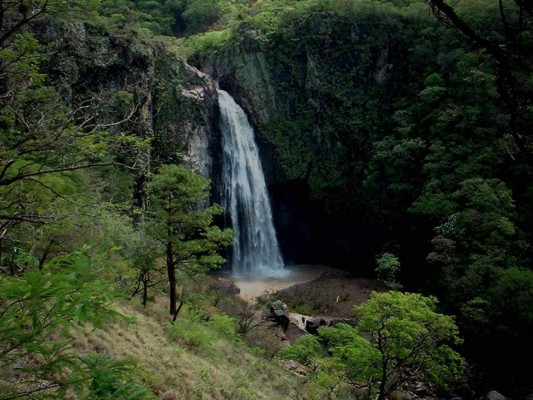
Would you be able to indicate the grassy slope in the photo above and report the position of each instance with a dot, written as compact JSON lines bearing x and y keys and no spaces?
{"x":200,"y":363}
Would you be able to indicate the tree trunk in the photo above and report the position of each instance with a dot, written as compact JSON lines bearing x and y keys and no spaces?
{"x":383,"y":384}
{"x":145,"y":293}
{"x":44,"y":256}
{"x":382,"y":387}
{"x":177,"y":312}
{"x":171,"y":270}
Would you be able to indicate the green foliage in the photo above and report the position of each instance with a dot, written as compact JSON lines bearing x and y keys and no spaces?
{"x":306,"y":349}
{"x":49,"y":143}
{"x":37,"y":313}
{"x":18,"y":69}
{"x":385,"y":114}
{"x":513,"y":295}
{"x":153,"y":17}
{"x":393,"y":119}
{"x":209,"y":41}
{"x":324,"y":384}
{"x":223,"y":324}
{"x":175,"y":217}
{"x":400,"y":339}
{"x":410,"y":336}
{"x":478,"y":236}
{"x":110,"y":379}
{"x":406,"y":334}
{"x":201,"y":14}
{"x":193,"y":334}
{"x":397,"y":335}
{"x":388,"y":267}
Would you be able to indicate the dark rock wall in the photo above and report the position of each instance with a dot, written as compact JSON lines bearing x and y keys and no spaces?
{"x":303,"y":88}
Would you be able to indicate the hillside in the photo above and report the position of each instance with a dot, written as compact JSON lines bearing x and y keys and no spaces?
{"x":193,"y":359}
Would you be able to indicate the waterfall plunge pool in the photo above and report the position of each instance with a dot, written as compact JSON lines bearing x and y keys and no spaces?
{"x":252,"y":287}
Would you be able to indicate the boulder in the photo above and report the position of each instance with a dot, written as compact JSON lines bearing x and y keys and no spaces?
{"x":298,"y":320}
{"x":279,"y":312}
{"x":225,"y":286}
{"x":293,"y":332}
{"x":494,"y":395}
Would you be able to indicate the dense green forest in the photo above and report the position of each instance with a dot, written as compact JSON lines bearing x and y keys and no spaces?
{"x":406,"y":122}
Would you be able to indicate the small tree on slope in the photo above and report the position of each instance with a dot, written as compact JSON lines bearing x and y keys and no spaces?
{"x":189,"y":240}
{"x":401,"y":337}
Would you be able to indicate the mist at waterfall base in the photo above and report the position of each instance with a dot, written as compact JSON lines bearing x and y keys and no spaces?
{"x":255,"y":252}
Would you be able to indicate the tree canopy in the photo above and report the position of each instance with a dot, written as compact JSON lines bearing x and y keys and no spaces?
{"x":400,"y":338}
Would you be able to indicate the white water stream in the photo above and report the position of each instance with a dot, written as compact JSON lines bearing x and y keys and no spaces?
{"x":255,"y":251}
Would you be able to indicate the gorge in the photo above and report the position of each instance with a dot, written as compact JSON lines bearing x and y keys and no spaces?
{"x":367,"y":135}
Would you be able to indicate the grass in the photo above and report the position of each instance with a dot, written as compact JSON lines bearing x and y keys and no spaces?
{"x":193,"y":359}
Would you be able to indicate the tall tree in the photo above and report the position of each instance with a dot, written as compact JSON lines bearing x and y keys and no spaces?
{"x":189,"y":240}
{"x":400,"y":339}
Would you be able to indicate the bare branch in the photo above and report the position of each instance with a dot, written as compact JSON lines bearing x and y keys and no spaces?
{"x":36,"y":12}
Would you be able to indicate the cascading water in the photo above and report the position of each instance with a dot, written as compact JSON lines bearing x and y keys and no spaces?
{"x":255,"y":250}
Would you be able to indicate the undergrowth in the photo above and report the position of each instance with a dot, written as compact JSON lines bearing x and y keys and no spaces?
{"x":197,"y":357}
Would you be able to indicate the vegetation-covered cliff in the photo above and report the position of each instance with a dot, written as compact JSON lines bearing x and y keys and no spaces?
{"x":394,"y":132}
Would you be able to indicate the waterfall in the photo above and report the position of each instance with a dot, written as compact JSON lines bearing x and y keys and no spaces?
{"x":255,"y":247}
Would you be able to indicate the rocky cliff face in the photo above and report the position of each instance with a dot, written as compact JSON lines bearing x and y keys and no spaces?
{"x":317,"y":71}
{"x":143,"y":84}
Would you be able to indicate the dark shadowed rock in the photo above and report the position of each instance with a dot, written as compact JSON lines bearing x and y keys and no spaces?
{"x":293,"y":332}
{"x":494,"y":395}
{"x":312,"y":325}
{"x":279,"y":312}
